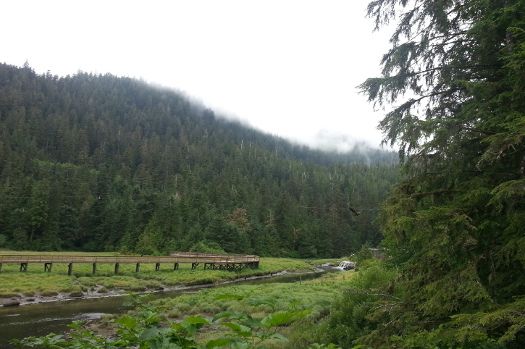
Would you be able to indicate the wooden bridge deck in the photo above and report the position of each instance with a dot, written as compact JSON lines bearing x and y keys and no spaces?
{"x":210,"y":261}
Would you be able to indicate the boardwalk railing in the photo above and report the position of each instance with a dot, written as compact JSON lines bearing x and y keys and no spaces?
{"x":231,"y":258}
{"x":210,"y":261}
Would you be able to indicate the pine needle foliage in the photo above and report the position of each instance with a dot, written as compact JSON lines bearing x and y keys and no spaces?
{"x":455,"y":74}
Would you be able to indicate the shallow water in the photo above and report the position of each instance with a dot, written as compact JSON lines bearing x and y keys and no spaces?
{"x":41,"y":319}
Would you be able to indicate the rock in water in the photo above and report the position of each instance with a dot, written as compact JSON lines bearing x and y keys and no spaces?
{"x":346,"y":265}
{"x":11,"y":303}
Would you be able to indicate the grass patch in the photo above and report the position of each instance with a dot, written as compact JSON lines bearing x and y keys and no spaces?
{"x":315,"y":297}
{"x":247,"y":315}
{"x":37,"y":282}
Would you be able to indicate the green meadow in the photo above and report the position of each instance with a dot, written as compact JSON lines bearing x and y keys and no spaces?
{"x":267,"y":315}
{"x":36,"y":282}
{"x":311,"y":300}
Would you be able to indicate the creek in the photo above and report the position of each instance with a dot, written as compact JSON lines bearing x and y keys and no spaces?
{"x":43,"y":318}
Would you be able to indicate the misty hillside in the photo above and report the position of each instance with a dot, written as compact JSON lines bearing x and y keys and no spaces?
{"x":104,"y":163}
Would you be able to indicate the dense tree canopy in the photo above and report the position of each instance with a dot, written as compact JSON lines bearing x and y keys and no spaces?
{"x":103,"y":163}
{"x":455,"y":226}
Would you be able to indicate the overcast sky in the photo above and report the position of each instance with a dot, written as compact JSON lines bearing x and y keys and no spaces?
{"x":288,"y":67}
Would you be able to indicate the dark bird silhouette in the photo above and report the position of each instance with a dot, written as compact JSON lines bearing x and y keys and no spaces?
{"x":354,"y":211}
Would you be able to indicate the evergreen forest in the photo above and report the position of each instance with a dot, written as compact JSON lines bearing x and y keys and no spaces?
{"x":103,"y":163}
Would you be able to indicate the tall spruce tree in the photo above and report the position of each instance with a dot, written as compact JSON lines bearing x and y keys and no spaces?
{"x":455,"y":227}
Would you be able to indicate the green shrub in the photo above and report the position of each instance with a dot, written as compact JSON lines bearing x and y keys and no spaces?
{"x":351,"y":316}
{"x":207,"y":247}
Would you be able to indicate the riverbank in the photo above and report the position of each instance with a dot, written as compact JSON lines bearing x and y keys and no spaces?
{"x":65,"y":297}
{"x":35,"y":285}
{"x":263,"y":313}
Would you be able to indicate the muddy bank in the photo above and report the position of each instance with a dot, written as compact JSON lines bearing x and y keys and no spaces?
{"x":102,"y":292}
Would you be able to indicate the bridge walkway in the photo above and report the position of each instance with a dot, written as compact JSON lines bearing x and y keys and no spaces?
{"x":209,"y":261}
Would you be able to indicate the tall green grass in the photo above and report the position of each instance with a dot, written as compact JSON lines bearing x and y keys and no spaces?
{"x":36,"y":282}
{"x":277,"y":315}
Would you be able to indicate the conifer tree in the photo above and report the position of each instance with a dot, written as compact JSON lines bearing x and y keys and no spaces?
{"x":455,"y":77}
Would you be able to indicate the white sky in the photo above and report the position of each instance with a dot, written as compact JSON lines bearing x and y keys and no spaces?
{"x":288,"y":67}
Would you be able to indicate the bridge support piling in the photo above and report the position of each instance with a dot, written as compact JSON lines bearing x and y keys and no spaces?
{"x":47,"y":267}
{"x":23,"y":266}
{"x":0,"y":267}
{"x":117,"y":265}
{"x":194,"y":266}
{"x":137,"y":267}
{"x":94,"y":269}
{"x":175,"y":266}
{"x":157,"y":266}
{"x":69,"y":268}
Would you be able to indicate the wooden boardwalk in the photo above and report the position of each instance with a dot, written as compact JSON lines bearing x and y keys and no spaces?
{"x":209,"y":261}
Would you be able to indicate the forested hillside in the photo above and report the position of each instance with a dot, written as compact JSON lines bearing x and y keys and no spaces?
{"x":102,"y":163}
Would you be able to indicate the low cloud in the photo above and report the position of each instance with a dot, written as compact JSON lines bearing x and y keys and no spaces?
{"x":338,"y":142}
